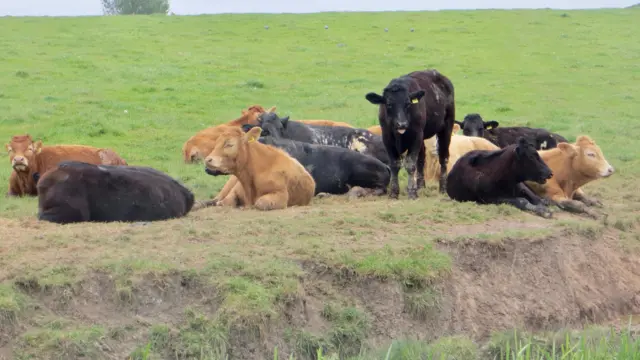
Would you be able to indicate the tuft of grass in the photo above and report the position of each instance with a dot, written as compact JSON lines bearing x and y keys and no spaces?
{"x":422,"y":303}
{"x":69,"y":343}
{"x":11,"y":304}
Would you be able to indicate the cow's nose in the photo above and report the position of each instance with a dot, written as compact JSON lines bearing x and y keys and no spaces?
{"x":18,"y":159}
{"x":611,"y":170}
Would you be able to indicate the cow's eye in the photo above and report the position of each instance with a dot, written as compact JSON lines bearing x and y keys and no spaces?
{"x":590,"y":154}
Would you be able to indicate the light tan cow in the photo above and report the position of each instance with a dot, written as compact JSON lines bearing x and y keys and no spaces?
{"x":573,"y":166}
{"x":269,"y":178}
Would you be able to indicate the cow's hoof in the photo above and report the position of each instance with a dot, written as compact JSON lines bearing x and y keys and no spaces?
{"x":412,"y":194}
{"x":393,"y":196}
{"x":592,"y":202}
{"x":545,"y":202}
{"x":323,"y":195}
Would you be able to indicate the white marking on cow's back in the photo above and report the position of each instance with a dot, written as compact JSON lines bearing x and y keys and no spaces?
{"x":102,"y":168}
{"x":358,"y":145}
{"x":436,"y":91}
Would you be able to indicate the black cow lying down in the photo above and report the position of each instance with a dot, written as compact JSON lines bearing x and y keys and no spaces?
{"x":334,"y":169}
{"x":495,"y":177}
{"x":80,"y":192}
{"x":360,"y":140}
{"x":474,"y":125}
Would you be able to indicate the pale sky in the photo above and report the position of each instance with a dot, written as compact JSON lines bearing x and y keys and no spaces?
{"x":191,"y":7}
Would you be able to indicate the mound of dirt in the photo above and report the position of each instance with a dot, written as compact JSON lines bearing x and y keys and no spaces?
{"x":535,"y":285}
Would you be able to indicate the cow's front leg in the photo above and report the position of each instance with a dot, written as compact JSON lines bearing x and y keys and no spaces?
{"x":420,"y":164}
{"x":524,"y":205}
{"x":527,"y":193}
{"x":394,"y":166}
{"x":410,"y":164}
{"x":579,"y":195}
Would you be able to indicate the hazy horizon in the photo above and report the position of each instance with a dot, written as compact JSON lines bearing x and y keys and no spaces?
{"x":196,"y":7}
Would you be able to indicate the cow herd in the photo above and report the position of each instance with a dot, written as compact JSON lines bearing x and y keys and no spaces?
{"x":275,"y":162}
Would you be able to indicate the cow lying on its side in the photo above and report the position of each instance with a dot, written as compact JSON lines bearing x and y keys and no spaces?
{"x":459,"y":146}
{"x":496,"y":177}
{"x":200,"y":145}
{"x":473,"y":125}
{"x":270,"y":178}
{"x":359,"y":140}
{"x":30,"y":159}
{"x":75,"y":191}
{"x":573,"y":166}
{"x":334,"y":169}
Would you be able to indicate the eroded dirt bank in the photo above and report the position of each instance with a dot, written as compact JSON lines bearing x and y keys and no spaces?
{"x":544,"y":284}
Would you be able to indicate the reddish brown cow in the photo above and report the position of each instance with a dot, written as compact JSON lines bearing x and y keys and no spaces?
{"x":202,"y":143}
{"x":29,"y":160}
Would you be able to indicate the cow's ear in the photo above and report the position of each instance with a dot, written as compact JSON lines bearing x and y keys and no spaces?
{"x":271,"y":109}
{"x":247,"y":127}
{"x":374,"y":98}
{"x":488,"y":125}
{"x":456,"y":128}
{"x":569,"y":149}
{"x":459,"y":123}
{"x":244,"y":112}
{"x":285,"y":121}
{"x":37,"y":147}
{"x":253,"y":134}
{"x":8,"y":147}
{"x":416,"y":96}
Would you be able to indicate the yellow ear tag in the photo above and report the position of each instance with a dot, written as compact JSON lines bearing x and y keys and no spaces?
{"x":414,"y":101}
{"x":252,"y":139}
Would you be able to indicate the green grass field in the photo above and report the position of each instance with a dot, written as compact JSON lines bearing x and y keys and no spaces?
{"x":239,"y":283}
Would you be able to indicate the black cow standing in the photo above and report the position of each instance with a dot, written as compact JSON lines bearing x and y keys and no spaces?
{"x":415,"y":107}
{"x":497,"y":176}
{"x":79,"y":192}
{"x":360,"y":140}
{"x":542,"y":139}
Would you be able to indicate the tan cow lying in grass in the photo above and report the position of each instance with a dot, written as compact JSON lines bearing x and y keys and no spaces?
{"x":29,"y":160}
{"x":325,"y":123}
{"x":202,"y":143}
{"x":460,"y":145}
{"x":269,"y":178}
{"x":573,"y":166}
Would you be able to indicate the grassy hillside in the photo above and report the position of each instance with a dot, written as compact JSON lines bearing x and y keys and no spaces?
{"x":330,"y":275}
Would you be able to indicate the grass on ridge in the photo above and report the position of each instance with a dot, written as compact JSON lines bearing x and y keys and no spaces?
{"x":142,"y":85}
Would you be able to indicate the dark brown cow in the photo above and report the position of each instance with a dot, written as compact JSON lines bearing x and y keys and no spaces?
{"x":497,"y":176}
{"x":29,"y":160}
{"x":412,"y":108}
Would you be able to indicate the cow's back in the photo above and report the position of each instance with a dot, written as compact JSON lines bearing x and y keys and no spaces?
{"x":51,"y":156}
{"x":111,"y":193}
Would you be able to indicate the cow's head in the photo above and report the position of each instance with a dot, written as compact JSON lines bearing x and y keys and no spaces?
{"x":273,"y":125}
{"x":253,"y":112}
{"x":22,"y":151}
{"x":530,"y":164}
{"x":247,"y":127}
{"x":399,"y":104}
{"x":230,"y":153}
{"x":587,"y":158}
{"x":473,"y":125}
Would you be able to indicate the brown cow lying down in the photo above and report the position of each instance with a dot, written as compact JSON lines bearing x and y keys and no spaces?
{"x":324,"y":122}
{"x":202,"y":143}
{"x":29,"y":160}
{"x":573,"y":166}
{"x":270,"y":178}
{"x":460,"y":145}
